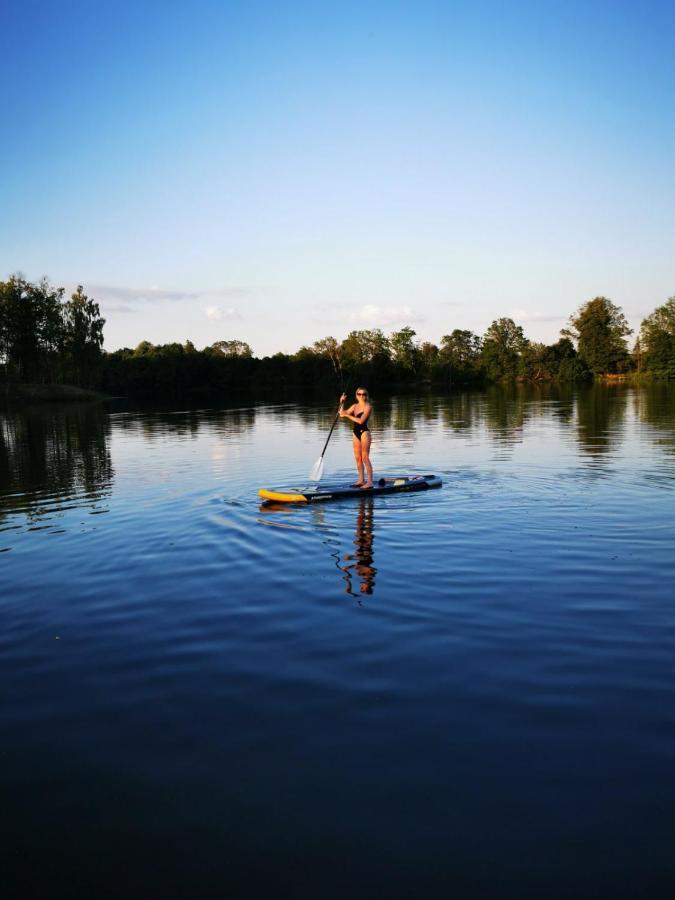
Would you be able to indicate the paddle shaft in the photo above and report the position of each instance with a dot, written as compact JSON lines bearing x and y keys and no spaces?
{"x":331,"y":430}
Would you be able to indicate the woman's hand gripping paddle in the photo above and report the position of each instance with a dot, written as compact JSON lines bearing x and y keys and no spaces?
{"x":317,"y":468}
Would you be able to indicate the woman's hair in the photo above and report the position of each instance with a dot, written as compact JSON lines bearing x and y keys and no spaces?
{"x":365,"y":391}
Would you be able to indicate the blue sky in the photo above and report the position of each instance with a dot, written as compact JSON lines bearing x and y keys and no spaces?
{"x":280,"y":172}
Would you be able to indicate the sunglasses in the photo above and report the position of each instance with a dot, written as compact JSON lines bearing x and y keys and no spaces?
{"x":361,"y":394}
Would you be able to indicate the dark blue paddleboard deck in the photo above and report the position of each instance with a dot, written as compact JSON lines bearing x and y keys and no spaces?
{"x":394,"y":484}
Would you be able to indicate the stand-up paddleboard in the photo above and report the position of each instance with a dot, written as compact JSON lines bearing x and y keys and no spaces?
{"x":391,"y":485}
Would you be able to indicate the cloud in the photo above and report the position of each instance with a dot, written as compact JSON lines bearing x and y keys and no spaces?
{"x":119,"y":308}
{"x":217,"y":313}
{"x":523,"y":315}
{"x":374,"y":316}
{"x":128,"y":296}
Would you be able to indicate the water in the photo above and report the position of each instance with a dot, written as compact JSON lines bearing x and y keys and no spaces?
{"x":463,"y":692}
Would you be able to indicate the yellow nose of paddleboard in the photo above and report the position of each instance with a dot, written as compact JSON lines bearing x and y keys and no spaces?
{"x":282,"y":496}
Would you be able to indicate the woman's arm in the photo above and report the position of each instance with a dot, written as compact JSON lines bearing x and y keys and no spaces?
{"x":364,"y":418}
{"x":367,"y":409}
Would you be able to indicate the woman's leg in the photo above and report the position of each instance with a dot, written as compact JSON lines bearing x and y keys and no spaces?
{"x":365,"y":459}
{"x":356,"y":444}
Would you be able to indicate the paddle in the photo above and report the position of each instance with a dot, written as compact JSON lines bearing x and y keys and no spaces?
{"x":317,"y":468}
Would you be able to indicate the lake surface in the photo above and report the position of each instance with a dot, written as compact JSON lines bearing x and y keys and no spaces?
{"x":465,"y":692}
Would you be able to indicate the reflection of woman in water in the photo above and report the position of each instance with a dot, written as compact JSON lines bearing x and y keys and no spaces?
{"x":359,"y":413}
{"x":362,"y":567}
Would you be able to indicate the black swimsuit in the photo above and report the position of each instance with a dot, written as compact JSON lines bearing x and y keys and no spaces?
{"x":359,"y":427}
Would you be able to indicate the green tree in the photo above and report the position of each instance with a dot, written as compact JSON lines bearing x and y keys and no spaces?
{"x":82,"y":337}
{"x":365,"y":346}
{"x":329,"y":349}
{"x":232,"y":348}
{"x":656,"y":343}
{"x":21,"y":329}
{"x":5,"y":331}
{"x":599,"y":329}
{"x":429,"y":356}
{"x":503,"y":345}
{"x":535,"y":362}
{"x":460,"y":355}
{"x":53,"y":324}
{"x":404,"y":348}
{"x":563,"y":361}
{"x":31,"y":328}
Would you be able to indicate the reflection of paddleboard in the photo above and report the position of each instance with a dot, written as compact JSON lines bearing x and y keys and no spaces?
{"x":392,"y":485}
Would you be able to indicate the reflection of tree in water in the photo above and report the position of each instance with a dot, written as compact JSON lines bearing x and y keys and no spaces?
{"x":402,"y":414}
{"x":601,"y":412}
{"x":563,"y":409}
{"x":506,"y":413}
{"x":186,"y":423}
{"x":509,"y":408}
{"x":505,"y":410}
{"x":461,"y":411}
{"x":55,"y":452}
{"x":655,"y":406}
{"x":427,"y":407}
{"x":359,"y":571}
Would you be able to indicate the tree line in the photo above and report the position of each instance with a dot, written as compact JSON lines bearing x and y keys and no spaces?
{"x":46,"y":338}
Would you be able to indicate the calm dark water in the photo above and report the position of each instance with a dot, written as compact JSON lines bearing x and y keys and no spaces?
{"x":466,"y":692}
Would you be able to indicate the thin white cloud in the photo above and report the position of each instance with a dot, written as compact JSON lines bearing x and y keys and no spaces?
{"x":524,"y":315}
{"x":374,"y":316}
{"x":218,"y":313}
{"x":110,"y":294}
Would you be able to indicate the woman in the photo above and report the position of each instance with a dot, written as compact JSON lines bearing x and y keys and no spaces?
{"x":359,"y":413}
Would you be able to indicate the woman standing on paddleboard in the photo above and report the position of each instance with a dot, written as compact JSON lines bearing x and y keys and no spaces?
{"x":359,"y":413}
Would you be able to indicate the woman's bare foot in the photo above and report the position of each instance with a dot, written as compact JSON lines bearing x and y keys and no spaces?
{"x":358,"y":484}
{"x":368,"y":484}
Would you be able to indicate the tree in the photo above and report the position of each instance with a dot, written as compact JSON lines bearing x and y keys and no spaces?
{"x":31,"y":328}
{"x":4,"y":330}
{"x":656,"y":343}
{"x":52,"y":328}
{"x":599,"y":329}
{"x":232,"y":348}
{"x":503,"y":346}
{"x":21,"y":317}
{"x":329,"y":348}
{"x":365,"y":346}
{"x":82,"y":337}
{"x":535,"y":362}
{"x":404,"y":348}
{"x":460,"y":354}
{"x":563,"y":362}
{"x":145,"y":348}
{"x":429,"y":356}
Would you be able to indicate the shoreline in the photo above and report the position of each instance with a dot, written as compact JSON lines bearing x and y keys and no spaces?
{"x":28,"y":394}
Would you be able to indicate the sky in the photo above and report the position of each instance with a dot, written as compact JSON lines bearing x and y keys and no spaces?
{"x":279,"y":172}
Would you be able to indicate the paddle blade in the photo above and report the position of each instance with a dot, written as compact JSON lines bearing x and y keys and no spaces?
{"x":317,"y":470}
